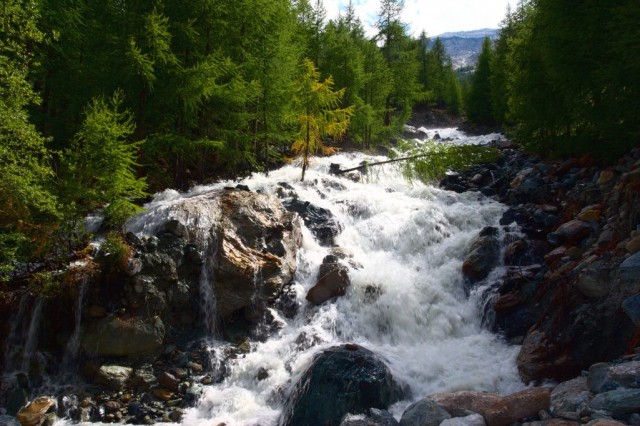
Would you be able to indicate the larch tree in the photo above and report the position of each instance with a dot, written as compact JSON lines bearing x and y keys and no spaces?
{"x":318,"y":114}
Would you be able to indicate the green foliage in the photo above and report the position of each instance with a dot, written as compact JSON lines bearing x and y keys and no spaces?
{"x":45,"y":284}
{"x":479,"y":101}
{"x":28,"y":208}
{"x":569,"y":74}
{"x":101,"y":164}
{"x":115,"y":252}
{"x":431,"y":160}
{"x":318,"y":114}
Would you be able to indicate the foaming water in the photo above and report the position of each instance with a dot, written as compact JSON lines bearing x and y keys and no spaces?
{"x":406,"y":300}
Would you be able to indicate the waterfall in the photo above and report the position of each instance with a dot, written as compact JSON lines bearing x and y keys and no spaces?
{"x":406,"y":301}
{"x":31,"y":343}
{"x":206,"y":290}
{"x":16,"y":337}
{"x":199,"y":212}
{"x":71,"y":351}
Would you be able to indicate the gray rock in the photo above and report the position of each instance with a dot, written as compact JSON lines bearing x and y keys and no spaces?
{"x":176,"y":228}
{"x":113,"y":377}
{"x":593,"y":284}
{"x":597,"y":376}
{"x":631,"y":307}
{"x":341,"y":380}
{"x":375,"y":417}
{"x":471,"y":420}
{"x":632,"y":261}
{"x":333,"y":280}
{"x":8,"y":421}
{"x":257,"y":239}
{"x":567,"y":396}
{"x":424,"y":413}
{"x":114,"y":336}
{"x":482,"y":258}
{"x":617,"y":402}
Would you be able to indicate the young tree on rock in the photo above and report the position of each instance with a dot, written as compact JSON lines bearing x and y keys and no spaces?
{"x":319,"y":115}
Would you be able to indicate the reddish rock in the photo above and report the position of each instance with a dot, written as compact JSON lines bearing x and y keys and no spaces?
{"x":333,"y":280}
{"x":555,"y":255}
{"x":514,"y":251}
{"x":457,"y":403}
{"x":633,"y":246}
{"x":168,"y":380}
{"x":517,"y":406}
{"x":162,"y":394}
{"x":506,"y":302}
{"x":574,"y":230}
{"x":575,"y":253}
{"x":497,"y":410}
{"x":606,"y":238}
{"x":35,"y":412}
{"x":590,"y":214}
{"x":605,"y":422}
{"x":606,"y":176}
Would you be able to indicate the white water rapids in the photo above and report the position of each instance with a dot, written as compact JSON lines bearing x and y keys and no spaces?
{"x":410,"y":240}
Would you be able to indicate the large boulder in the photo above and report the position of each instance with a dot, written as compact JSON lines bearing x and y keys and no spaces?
{"x":341,"y":380}
{"x":483,"y":256}
{"x":113,"y":377}
{"x":333,"y":280}
{"x":116,"y":336}
{"x":256,"y":244}
{"x":321,"y":222}
{"x":497,"y":410}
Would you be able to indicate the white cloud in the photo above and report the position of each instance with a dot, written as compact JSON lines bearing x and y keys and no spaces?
{"x":433,"y":16}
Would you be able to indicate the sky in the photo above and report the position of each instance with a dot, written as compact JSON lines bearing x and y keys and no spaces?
{"x":433,"y":16}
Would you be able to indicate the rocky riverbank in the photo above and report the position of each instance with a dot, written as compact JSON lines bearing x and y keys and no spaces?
{"x":560,"y":276}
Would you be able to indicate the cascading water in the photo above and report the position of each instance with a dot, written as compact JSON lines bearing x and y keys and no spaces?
{"x":406,"y":301}
{"x":73,"y":345}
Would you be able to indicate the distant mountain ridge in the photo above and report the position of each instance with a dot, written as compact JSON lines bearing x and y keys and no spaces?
{"x":464,"y":46}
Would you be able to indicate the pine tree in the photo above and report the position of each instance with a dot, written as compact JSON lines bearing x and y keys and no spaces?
{"x":478,"y":105}
{"x":319,"y":115}
{"x":101,"y":164}
{"x":28,"y":208}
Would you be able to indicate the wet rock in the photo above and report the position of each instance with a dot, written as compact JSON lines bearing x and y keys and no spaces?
{"x":631,"y":307}
{"x":424,"y":413}
{"x":321,"y":222}
{"x":568,"y":396}
{"x":35,"y":412}
{"x":497,"y":410}
{"x":573,"y":231}
{"x":517,"y":406}
{"x":618,"y":402}
{"x":333,"y":280}
{"x":115,"y":336}
{"x":593,"y":284}
{"x":375,"y":417}
{"x":6,"y":420}
{"x":633,"y":246}
{"x":113,"y":377}
{"x":470,"y":420}
{"x":162,"y":394}
{"x":482,"y":258}
{"x":168,"y":380}
{"x":341,"y":380}
{"x":256,"y":239}
{"x":460,"y":403}
{"x":176,"y":228}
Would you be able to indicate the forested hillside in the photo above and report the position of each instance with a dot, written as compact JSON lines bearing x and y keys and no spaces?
{"x":563,"y":77}
{"x":103,"y":102}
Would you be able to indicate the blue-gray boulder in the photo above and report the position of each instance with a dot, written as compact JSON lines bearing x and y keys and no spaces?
{"x":424,"y":413}
{"x":342,"y":380}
